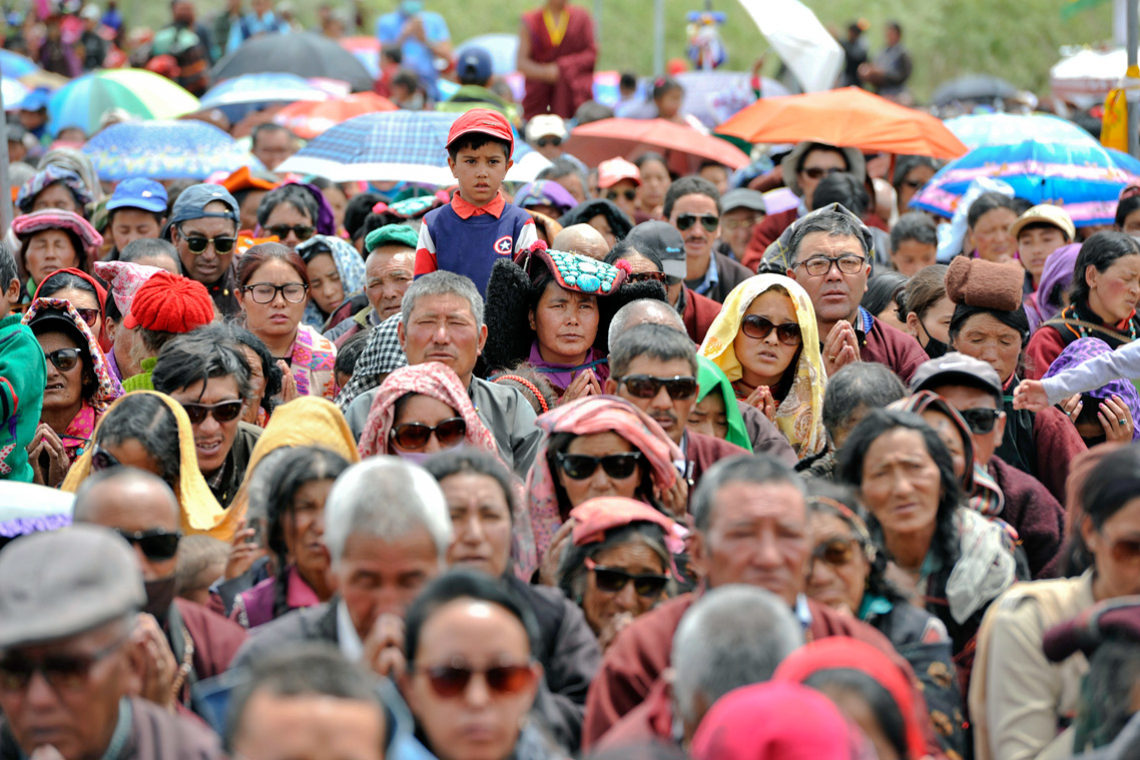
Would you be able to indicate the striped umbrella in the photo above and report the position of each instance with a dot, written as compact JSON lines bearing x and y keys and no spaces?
{"x":165,"y":150}
{"x":83,"y":101}
{"x":1082,"y":177}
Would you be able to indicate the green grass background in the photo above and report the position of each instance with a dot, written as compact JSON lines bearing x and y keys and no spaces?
{"x":1015,"y":39}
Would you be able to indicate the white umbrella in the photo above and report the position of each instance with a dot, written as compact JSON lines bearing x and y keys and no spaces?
{"x":1086,"y":77}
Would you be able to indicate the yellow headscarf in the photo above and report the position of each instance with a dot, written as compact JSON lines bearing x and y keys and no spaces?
{"x":800,"y":414}
{"x":201,"y":513}
{"x":305,"y":421}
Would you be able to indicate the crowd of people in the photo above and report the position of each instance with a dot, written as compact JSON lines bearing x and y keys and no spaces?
{"x":614,"y":463}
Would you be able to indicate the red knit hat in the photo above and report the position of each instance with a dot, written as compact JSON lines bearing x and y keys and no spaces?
{"x":170,"y":303}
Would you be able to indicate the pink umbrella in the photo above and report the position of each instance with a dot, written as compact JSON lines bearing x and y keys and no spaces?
{"x":684,"y":148}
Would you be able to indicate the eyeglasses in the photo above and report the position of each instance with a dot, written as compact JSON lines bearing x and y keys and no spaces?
{"x":613,"y":195}
{"x":818,"y":266}
{"x":101,"y":459}
{"x":612,"y":580}
{"x":198,"y":243}
{"x":759,"y":328}
{"x":265,"y":292}
{"x":836,"y":552}
{"x":413,"y":436}
{"x":582,"y":466}
{"x":648,"y":386}
{"x":542,"y":142}
{"x":646,"y":277}
{"x":451,"y":681}
{"x":223,"y":411}
{"x":980,"y":420}
{"x":302,"y":231}
{"x":709,"y":221}
{"x":63,"y":672}
{"x":817,"y":172}
{"x":64,"y":359}
{"x":90,"y":316}
{"x":156,"y":544}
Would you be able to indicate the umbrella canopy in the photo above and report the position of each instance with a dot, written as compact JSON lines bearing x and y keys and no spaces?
{"x":250,"y":89}
{"x":188,"y":149}
{"x":847,"y":117}
{"x":503,"y":49}
{"x":390,"y":146}
{"x":16,"y":65}
{"x":302,"y":53}
{"x":684,"y":147}
{"x":977,"y":130}
{"x":13,"y":91}
{"x":974,"y":87}
{"x":1085,"y":77}
{"x":83,"y":101}
{"x":366,"y":50}
{"x":309,"y":119}
{"x":28,"y":508}
{"x":1083,"y":178}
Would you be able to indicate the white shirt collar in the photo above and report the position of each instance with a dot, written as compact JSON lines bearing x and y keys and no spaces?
{"x":347,"y":639}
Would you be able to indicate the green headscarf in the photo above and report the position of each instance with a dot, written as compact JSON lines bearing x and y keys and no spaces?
{"x":711,"y":377}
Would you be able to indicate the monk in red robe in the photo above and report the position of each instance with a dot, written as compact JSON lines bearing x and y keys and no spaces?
{"x":557,"y":56}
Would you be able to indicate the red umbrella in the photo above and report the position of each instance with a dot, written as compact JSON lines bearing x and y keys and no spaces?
{"x":848,"y":117}
{"x":308,"y":119}
{"x":684,"y":148}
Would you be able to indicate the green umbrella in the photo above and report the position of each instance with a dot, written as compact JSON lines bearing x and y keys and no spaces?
{"x":84,"y":101}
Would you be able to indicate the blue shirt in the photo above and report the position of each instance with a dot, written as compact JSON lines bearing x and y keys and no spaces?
{"x":416,"y":55}
{"x":711,"y":278}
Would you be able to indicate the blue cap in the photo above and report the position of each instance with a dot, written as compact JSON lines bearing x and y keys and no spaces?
{"x":35,"y":100}
{"x":473,"y":66}
{"x":191,"y":204}
{"x":139,"y":192}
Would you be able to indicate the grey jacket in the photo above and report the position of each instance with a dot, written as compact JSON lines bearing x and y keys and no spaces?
{"x":1087,"y":376}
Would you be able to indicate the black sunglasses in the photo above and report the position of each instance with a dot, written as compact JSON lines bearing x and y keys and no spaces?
{"x":413,"y":436}
{"x":759,"y":328}
{"x":223,"y":411}
{"x":101,"y":459}
{"x":156,"y":544}
{"x":613,"y":195}
{"x":980,"y":420}
{"x":612,"y":580}
{"x":648,"y":386}
{"x":64,"y":359}
{"x":542,"y":142}
{"x":708,"y":221}
{"x":451,"y":681}
{"x":817,"y":172}
{"x":64,"y":672}
{"x":582,"y":466}
{"x":646,"y":277}
{"x":302,"y":231}
{"x":199,"y":243}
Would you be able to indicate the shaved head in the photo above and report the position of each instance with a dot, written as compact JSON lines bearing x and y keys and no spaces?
{"x":640,"y":312}
{"x":124,"y":487}
{"x":583,"y":239}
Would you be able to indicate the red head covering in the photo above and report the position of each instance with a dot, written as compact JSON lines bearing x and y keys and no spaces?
{"x":842,"y":652}
{"x":100,"y":296}
{"x":595,"y":517}
{"x":170,"y":303}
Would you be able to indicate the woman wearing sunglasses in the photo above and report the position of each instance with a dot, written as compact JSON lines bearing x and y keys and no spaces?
{"x":85,"y":293}
{"x":766,"y":342}
{"x":290,"y":213}
{"x":619,"y":562}
{"x":273,"y":290}
{"x":78,"y":391}
{"x":51,"y":240}
{"x":1019,"y":701}
{"x":472,"y":675}
{"x":336,"y":281}
{"x":419,"y":411}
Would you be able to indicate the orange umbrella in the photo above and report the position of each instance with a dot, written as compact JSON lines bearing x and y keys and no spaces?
{"x":684,"y":147}
{"x":848,"y":117}
{"x":308,"y":119}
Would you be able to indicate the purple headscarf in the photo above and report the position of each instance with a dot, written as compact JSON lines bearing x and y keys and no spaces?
{"x":1056,"y":278}
{"x":1079,"y":352}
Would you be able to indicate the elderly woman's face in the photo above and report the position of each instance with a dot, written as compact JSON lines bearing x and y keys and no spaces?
{"x":49,"y":251}
{"x":449,"y":689}
{"x":901,"y":483}
{"x":598,"y":482}
{"x":951,"y":436}
{"x":481,"y":520}
{"x":622,"y":582}
{"x":425,"y":425}
{"x":58,"y":196}
{"x":765,"y":359}
{"x":837,"y":576}
{"x":303,"y":528}
{"x":64,"y":387}
{"x":985,"y":337}
{"x":565,"y":324}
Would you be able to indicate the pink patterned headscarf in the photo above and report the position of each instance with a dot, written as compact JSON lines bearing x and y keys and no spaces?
{"x":586,"y":416}
{"x":125,"y":278}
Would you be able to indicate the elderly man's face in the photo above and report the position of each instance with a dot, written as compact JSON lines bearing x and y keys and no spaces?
{"x":835,"y":294}
{"x":74,"y":712}
{"x":441,"y":328}
{"x":310,"y":727}
{"x":389,"y":270}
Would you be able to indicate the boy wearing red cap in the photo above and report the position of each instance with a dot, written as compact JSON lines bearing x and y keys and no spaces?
{"x":478,"y":227}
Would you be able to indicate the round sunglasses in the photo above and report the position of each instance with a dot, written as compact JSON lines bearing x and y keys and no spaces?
{"x":413,"y":436}
{"x":757,"y":327}
{"x":199,"y":243}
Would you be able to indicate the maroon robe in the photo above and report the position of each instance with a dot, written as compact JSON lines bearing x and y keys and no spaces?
{"x":216,"y":640}
{"x":891,"y":347}
{"x":703,"y":451}
{"x":575,"y":56}
{"x":765,"y":233}
{"x":700,"y":311}
{"x":1038,"y":517}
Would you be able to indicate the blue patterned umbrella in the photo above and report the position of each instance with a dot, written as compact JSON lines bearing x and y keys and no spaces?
{"x":165,"y":150}
{"x":389,"y":146}
{"x":977,"y":130}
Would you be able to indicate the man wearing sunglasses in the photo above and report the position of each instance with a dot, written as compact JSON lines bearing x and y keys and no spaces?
{"x":71,"y":655}
{"x":203,"y":227}
{"x":973,"y":388}
{"x":692,"y":206}
{"x":188,"y":637}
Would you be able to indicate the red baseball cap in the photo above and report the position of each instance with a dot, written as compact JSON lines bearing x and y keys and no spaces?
{"x":484,"y":121}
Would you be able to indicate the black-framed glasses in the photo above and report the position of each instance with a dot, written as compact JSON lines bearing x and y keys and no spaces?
{"x":758,"y":327}
{"x":542,"y":142}
{"x":818,"y":266}
{"x":101,"y":459}
{"x":646,"y":277}
{"x":582,"y":466}
{"x":63,"y":672}
{"x":64,"y":359}
{"x":818,"y":172}
{"x":223,"y":411}
{"x":413,"y":436}
{"x":302,"y":231}
{"x":648,"y":386}
{"x":199,"y":243}
{"x":980,"y":420}
{"x":265,"y":292}
{"x":156,"y":544}
{"x":612,"y":580}
{"x":451,"y":681}
{"x":709,"y":221}
{"x":613,"y":195}
{"x":836,"y":551}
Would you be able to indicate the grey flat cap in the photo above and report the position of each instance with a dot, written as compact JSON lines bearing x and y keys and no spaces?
{"x":743,"y":198}
{"x":956,"y":369}
{"x":59,"y":584}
